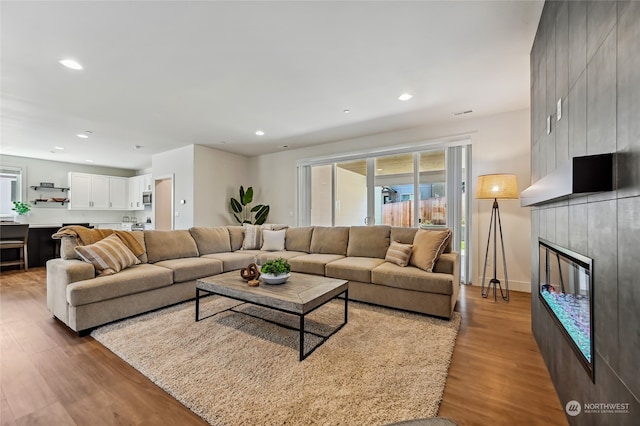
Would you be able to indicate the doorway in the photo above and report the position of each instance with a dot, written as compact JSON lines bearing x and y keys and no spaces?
{"x":163,"y":203}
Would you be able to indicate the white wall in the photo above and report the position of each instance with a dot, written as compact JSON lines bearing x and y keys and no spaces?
{"x":500,"y":145}
{"x":218,"y":176}
{"x":179,"y":164}
{"x":205,"y":179}
{"x":36,"y":171}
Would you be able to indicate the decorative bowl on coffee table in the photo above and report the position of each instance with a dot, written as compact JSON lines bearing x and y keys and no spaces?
{"x":275,"y":279}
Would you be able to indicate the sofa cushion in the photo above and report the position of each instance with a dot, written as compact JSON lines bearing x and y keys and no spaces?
{"x":109,"y":255}
{"x":368,"y":241}
{"x":236,"y":235}
{"x":139,"y":236}
{"x":330,"y":240}
{"x":403,"y":235}
{"x":353,"y":268}
{"x":412,"y":278}
{"x":399,"y":253}
{"x":428,"y":245}
{"x":233,"y":261}
{"x":285,"y":254}
{"x":164,"y":245}
{"x":211,"y":240}
{"x":312,"y":263}
{"x":298,"y":239}
{"x":132,"y":280}
{"x":273,"y":240}
{"x":67,"y":248}
{"x":191,"y":268}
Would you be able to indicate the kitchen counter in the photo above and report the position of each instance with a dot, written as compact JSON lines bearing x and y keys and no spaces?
{"x":41,"y":247}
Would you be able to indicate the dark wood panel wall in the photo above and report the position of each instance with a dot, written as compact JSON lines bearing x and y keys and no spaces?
{"x":587,"y":55}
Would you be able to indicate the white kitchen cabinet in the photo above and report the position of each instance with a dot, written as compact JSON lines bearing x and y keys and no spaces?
{"x":97,"y":192}
{"x":118,"y":191}
{"x":80,"y":188}
{"x":147,"y":185}
{"x":136,"y":184}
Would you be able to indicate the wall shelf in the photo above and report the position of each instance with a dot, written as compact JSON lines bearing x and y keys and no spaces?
{"x":35,"y":202}
{"x":53,"y":188}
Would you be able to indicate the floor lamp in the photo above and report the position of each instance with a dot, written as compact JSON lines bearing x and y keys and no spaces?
{"x":497,"y":186}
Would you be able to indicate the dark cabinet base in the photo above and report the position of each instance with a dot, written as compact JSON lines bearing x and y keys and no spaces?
{"x":40,"y":247}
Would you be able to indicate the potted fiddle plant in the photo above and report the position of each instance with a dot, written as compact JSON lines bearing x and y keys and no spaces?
{"x":243,"y":213}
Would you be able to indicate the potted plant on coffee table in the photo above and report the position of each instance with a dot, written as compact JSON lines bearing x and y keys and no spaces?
{"x":275,"y":271}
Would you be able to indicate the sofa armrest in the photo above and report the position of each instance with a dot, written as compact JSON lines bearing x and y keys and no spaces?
{"x":61,"y":273}
{"x":448,"y":263}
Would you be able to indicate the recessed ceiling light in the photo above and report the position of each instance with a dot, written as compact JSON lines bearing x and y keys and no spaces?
{"x":285,"y":146}
{"x":58,"y":147}
{"x":347,"y":111}
{"x":89,"y":161}
{"x":222,"y":142}
{"x":379,"y":170}
{"x":405,"y":97}
{"x":469,"y":111}
{"x":82,"y":136}
{"x":70,"y":63}
{"x":138,"y":146}
{"x":259,"y":133}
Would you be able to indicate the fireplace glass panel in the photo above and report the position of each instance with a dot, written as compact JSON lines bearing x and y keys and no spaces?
{"x":565,"y":279}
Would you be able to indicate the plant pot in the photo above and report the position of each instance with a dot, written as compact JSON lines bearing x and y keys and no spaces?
{"x":21,"y":218}
{"x":275,"y":279}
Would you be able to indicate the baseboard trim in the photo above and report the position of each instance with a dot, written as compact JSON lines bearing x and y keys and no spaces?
{"x":524,"y":286}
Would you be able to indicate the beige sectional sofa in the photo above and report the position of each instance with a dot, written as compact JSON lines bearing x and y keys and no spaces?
{"x":174,"y":260}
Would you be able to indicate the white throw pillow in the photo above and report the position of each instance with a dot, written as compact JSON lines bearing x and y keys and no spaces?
{"x":273,"y":240}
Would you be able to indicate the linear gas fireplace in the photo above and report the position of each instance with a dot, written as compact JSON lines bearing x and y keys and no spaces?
{"x":566,"y":290}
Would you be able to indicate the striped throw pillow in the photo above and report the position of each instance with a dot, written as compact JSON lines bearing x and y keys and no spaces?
{"x":399,"y":253}
{"x":109,"y":255}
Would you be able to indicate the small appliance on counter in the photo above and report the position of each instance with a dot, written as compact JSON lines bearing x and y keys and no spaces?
{"x":137,"y":226}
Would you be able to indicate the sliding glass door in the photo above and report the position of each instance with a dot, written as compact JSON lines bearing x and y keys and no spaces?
{"x":394,"y":190}
{"x":423,"y":188}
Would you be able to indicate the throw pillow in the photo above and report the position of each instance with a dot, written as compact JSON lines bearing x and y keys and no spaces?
{"x":428,"y":245}
{"x":399,"y":253}
{"x":109,"y":255}
{"x":273,"y":240}
{"x":253,"y":236}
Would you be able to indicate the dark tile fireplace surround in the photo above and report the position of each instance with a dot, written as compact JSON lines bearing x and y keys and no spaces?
{"x":585,"y":69}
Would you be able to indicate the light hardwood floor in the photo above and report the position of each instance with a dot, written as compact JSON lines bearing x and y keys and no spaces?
{"x":50,"y":376}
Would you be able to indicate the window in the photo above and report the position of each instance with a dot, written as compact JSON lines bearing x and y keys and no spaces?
{"x":10,"y":189}
{"x":422,"y":187}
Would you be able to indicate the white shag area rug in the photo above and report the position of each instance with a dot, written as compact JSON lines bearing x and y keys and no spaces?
{"x":384,"y":366}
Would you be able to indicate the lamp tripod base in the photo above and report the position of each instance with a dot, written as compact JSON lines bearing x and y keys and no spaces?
{"x":495,"y":283}
{"x":494,"y":226}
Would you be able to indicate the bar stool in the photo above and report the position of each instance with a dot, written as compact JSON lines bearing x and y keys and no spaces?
{"x":15,"y":237}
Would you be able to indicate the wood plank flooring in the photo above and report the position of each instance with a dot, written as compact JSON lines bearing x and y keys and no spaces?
{"x":50,"y":376}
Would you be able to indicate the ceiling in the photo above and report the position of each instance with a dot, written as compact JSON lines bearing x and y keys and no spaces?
{"x":160,"y":75}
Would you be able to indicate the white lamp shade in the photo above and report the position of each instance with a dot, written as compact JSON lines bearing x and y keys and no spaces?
{"x":497,"y":186}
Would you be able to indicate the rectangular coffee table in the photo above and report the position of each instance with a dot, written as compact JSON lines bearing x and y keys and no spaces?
{"x":300,"y":295}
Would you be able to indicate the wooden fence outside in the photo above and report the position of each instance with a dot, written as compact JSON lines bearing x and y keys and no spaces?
{"x":432,"y":210}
